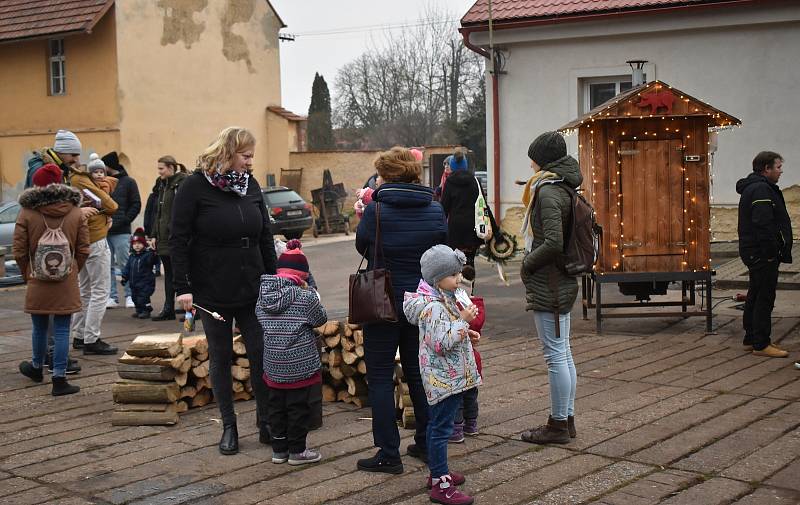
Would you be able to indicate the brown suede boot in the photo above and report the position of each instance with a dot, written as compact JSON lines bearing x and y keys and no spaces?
{"x":571,"y":427}
{"x":554,"y":432}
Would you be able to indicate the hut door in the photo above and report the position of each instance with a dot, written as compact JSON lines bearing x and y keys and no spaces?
{"x":651,"y":182}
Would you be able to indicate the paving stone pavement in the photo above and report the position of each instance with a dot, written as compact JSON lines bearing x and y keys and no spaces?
{"x":666,"y":414}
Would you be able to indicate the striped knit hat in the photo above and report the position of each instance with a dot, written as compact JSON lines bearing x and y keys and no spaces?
{"x":293,"y":261}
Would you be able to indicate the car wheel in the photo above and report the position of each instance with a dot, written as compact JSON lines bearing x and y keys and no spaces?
{"x":291,"y":235}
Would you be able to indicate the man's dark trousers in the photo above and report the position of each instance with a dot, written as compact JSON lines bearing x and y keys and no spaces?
{"x":758,"y":307}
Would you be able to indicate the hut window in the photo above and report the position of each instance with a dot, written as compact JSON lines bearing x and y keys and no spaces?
{"x":56,"y":69}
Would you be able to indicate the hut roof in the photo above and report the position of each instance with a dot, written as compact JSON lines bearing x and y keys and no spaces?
{"x":654,"y":99}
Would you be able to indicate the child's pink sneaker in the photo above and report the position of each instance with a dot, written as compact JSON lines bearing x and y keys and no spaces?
{"x":458,"y":479}
{"x":444,"y":491}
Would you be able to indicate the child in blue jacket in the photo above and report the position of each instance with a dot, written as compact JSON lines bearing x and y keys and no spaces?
{"x":139,"y":272}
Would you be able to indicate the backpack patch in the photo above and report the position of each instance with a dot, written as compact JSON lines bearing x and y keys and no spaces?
{"x":53,"y":258}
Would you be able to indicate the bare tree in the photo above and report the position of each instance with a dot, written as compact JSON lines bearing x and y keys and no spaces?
{"x":410,"y":87}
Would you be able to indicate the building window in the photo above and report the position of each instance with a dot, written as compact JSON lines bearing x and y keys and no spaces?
{"x":598,"y":90}
{"x":56,"y":68}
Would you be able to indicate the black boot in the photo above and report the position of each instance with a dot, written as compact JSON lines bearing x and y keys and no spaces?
{"x":554,"y":432}
{"x":264,"y":435}
{"x":61,"y":387}
{"x":571,"y":426}
{"x":229,"y":443}
{"x":27,"y":369}
{"x":165,"y":315}
{"x":77,"y":343}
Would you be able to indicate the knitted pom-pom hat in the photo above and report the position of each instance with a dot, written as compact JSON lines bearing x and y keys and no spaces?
{"x":293,"y":261}
{"x":139,"y":236}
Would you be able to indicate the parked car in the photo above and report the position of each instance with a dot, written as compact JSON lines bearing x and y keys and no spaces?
{"x":8,"y":217}
{"x":291,"y":215}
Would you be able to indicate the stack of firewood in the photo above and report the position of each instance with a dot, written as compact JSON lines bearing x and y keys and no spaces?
{"x":402,"y":398}
{"x":165,"y":375}
{"x":343,"y":365}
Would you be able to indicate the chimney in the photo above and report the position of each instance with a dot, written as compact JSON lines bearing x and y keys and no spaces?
{"x":637,"y":71}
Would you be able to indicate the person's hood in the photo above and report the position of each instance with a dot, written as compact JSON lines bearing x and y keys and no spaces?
{"x":176,"y":178}
{"x":461,"y":178}
{"x":414,"y":303}
{"x":121,"y":172}
{"x":568,"y":168}
{"x":403,"y":194}
{"x":277,"y":294}
{"x":751,"y":179}
{"x":53,"y":200}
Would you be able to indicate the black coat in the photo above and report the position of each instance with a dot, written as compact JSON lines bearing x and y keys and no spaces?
{"x":150,"y":211}
{"x":126,"y":194}
{"x":765,"y":230}
{"x":138,"y":272}
{"x":458,"y":200}
{"x":220,"y":243}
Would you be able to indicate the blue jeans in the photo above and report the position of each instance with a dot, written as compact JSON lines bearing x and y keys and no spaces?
{"x":381,"y":342}
{"x":560,"y":367}
{"x":440,"y":428}
{"x":119,"y":245}
{"x":60,"y":339}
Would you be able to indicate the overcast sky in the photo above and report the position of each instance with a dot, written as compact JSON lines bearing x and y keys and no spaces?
{"x":332,"y":33}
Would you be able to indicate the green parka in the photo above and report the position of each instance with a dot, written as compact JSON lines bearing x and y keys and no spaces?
{"x":551,"y":210}
{"x":166,"y":195}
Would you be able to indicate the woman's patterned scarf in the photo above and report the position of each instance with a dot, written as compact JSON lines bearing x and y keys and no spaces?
{"x":230,"y":181}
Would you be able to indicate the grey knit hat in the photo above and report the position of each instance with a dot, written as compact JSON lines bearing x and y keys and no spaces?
{"x":439,"y":262}
{"x":95,"y":163}
{"x":67,"y":142}
{"x":547,"y":147}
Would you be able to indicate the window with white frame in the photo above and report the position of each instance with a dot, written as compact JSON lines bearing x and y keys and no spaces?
{"x":56,"y":68}
{"x":598,"y":90}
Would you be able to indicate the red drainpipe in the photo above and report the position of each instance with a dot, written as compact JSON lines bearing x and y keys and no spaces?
{"x":465,"y":33}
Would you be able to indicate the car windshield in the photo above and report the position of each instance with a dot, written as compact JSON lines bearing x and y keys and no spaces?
{"x":278,"y":198}
{"x":9,"y":214}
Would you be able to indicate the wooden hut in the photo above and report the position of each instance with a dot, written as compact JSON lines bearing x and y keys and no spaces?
{"x":645,"y":157}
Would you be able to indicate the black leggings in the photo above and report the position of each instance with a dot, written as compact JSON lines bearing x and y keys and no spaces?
{"x":169,"y":290}
{"x":220,"y":350}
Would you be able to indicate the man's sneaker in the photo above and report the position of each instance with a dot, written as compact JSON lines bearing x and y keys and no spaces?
{"x":72,"y":367}
{"x":471,"y":427}
{"x":797,"y":365}
{"x":129,"y":303}
{"x":305,"y":457}
{"x":457,"y":436}
{"x":99,"y":347}
{"x":164,"y":316}
{"x":27,"y":369}
{"x":280,"y":457}
{"x":111,"y":304}
{"x":77,"y":343}
{"x":418,"y":452}
{"x":444,"y":491}
{"x":458,"y":479}
{"x":771,"y":351}
{"x":380,"y":465}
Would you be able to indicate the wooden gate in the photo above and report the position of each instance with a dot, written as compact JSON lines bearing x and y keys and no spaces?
{"x":651,"y":180}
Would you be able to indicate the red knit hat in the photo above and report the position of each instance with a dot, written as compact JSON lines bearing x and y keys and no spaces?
{"x":293,"y":261}
{"x":47,"y":174}
{"x":139,"y":236}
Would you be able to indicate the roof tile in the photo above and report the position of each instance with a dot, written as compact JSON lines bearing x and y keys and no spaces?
{"x":513,"y":10}
{"x":22,"y":19}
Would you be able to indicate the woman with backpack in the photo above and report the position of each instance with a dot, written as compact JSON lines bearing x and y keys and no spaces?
{"x":170,"y":176}
{"x":458,"y":201}
{"x":51,"y":244}
{"x":550,"y":291}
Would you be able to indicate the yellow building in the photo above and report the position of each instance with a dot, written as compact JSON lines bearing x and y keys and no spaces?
{"x":143,"y":78}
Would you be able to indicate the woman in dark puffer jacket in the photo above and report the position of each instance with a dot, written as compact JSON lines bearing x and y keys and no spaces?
{"x":411,"y":223}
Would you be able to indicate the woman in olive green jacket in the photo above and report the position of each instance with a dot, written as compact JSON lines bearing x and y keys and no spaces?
{"x":550,"y":290}
{"x":171,"y":174}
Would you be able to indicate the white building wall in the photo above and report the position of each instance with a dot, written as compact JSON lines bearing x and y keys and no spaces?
{"x":744,"y":62}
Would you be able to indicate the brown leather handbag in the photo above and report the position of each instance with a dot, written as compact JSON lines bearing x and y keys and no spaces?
{"x":370,"y":295}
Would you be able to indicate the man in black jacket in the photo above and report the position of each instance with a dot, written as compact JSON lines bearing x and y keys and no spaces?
{"x":127,"y":197}
{"x":765,"y":241}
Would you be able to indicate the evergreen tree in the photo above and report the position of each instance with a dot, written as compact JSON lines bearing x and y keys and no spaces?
{"x":320,"y":131}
